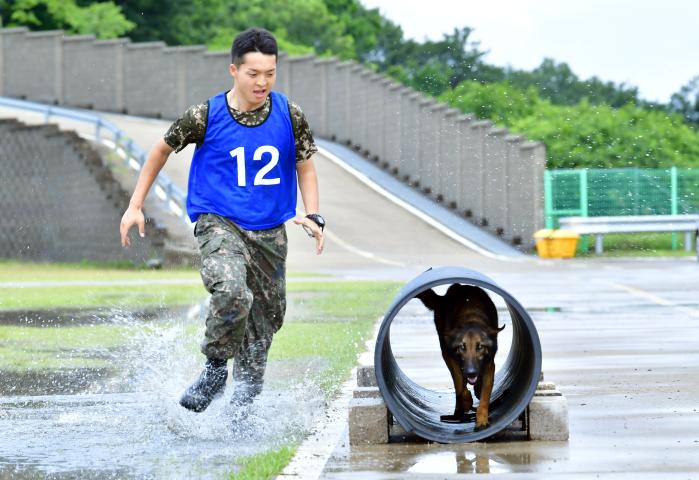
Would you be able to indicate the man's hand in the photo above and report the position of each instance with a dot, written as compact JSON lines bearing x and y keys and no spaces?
{"x":132,"y":216}
{"x":317,"y":232}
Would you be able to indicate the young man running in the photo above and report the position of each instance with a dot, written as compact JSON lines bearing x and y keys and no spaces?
{"x":252,"y":144}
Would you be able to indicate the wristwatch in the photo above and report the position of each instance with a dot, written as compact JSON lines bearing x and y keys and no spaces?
{"x":318,"y":219}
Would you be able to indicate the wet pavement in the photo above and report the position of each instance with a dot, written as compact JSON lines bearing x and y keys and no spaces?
{"x":621,"y":341}
{"x":121,"y":422}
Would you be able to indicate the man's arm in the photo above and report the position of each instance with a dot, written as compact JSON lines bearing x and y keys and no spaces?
{"x":308,"y":184}
{"x":134,"y":214}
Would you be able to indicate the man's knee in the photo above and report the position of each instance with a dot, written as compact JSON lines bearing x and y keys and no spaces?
{"x":231,"y":299}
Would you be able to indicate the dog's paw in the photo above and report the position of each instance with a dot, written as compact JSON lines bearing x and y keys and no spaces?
{"x":482,"y":427}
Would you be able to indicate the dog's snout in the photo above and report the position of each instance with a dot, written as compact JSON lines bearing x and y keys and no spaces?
{"x":470,"y":371}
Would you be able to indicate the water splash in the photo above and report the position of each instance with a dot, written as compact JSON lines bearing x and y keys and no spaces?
{"x":132,"y":424}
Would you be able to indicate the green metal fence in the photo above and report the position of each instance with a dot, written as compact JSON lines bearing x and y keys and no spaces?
{"x":619,"y":191}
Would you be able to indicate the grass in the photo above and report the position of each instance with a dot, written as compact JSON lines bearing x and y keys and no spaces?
{"x":334,"y":324}
{"x":16,"y":271}
{"x":116,"y":296}
{"x":636,"y":245}
{"x":331,"y":322}
{"x":55,"y":348}
{"x":264,"y":465}
{"x":71,"y":296}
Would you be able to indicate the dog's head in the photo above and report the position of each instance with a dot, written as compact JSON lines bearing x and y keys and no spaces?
{"x":472,"y":347}
{"x":465,"y":317}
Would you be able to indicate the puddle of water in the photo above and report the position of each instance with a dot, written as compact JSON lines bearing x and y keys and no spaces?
{"x":131,"y":426}
{"x":73,"y":380}
{"x":460,"y":462}
{"x":71,"y":316}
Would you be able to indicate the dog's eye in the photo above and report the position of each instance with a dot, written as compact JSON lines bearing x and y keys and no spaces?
{"x":479,"y":348}
{"x":460,"y":348}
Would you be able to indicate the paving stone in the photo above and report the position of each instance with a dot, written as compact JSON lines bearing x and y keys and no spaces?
{"x":366,"y":376}
{"x":548,"y":418}
{"x":366,"y":392}
{"x":368,"y":421}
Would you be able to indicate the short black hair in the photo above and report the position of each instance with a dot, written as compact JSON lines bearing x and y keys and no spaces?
{"x":253,"y":40}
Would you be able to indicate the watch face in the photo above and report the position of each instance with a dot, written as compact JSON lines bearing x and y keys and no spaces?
{"x":316,"y":217}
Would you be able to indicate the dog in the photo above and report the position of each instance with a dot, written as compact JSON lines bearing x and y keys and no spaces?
{"x":467,"y":327}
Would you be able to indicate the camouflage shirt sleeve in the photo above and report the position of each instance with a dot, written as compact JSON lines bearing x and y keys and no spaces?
{"x":189,"y":128}
{"x":305,"y":144}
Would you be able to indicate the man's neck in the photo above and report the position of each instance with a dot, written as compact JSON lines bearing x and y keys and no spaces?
{"x":241,"y":105}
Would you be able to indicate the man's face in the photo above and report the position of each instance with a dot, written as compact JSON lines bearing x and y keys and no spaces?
{"x":254,"y":78}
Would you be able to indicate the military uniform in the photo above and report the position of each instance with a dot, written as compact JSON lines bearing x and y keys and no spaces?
{"x":243,"y":269}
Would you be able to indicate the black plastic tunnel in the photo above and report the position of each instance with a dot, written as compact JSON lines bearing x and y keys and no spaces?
{"x":418,"y":409}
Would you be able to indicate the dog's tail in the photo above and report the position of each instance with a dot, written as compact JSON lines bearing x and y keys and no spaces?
{"x":494,"y":331}
{"x":429,"y":299}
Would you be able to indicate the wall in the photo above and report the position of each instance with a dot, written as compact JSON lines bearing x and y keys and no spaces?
{"x":493,"y":178}
{"x":60,"y":201}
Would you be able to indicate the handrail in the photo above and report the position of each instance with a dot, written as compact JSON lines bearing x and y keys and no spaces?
{"x":599,"y":226}
{"x":134,"y":157}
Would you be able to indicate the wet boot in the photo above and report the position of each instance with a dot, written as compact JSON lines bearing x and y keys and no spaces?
{"x":210,"y":384}
{"x":243,"y":396}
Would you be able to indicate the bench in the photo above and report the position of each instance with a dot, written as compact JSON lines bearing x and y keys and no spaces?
{"x":598,"y":226}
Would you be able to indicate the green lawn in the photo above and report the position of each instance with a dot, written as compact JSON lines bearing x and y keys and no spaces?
{"x":636,"y":245}
{"x":330,"y":321}
{"x":16,"y":271}
{"x":54,"y":348}
{"x":154,"y":291}
{"x":264,"y":465}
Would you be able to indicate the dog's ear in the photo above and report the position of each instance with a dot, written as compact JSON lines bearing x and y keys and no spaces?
{"x":501,"y":328}
{"x":429,"y":299}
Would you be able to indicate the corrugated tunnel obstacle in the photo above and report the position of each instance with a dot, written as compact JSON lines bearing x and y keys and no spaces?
{"x":418,"y":409}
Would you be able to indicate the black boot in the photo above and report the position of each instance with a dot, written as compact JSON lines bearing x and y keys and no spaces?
{"x":241,"y":401}
{"x":208,"y":386}
{"x":244,"y":393}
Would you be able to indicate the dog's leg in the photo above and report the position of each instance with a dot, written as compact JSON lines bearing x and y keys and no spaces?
{"x":464,"y":401}
{"x":486,"y":390}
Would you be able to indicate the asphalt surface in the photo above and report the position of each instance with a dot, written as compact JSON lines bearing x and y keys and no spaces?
{"x":620,"y":338}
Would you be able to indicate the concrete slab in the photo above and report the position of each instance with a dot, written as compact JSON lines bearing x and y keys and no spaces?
{"x":368,"y":421}
{"x":547,"y":417}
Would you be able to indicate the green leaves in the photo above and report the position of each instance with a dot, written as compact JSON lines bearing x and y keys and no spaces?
{"x":584,"y":134}
{"x":103,"y":19}
{"x":499,"y":102}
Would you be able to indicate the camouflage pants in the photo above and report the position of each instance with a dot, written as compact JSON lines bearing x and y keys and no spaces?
{"x":245,"y":272}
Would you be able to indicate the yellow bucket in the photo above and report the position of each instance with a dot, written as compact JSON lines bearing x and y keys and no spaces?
{"x":556,"y":243}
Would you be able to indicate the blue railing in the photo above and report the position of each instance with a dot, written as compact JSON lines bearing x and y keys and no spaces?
{"x":134,"y":157}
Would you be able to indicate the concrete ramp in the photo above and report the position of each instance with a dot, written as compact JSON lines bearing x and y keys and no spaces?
{"x":367,"y":229}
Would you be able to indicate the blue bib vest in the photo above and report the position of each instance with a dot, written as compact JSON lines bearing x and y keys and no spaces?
{"x":246,"y":174}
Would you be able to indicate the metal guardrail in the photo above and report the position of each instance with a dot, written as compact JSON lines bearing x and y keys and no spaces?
{"x":598,"y":226}
{"x":133,"y":156}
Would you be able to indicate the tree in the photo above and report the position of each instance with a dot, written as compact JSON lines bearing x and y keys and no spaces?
{"x":499,"y":102}
{"x":599,"y":136}
{"x":686,"y":102}
{"x":582,"y":135}
{"x":103,"y":19}
{"x":558,"y":83}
